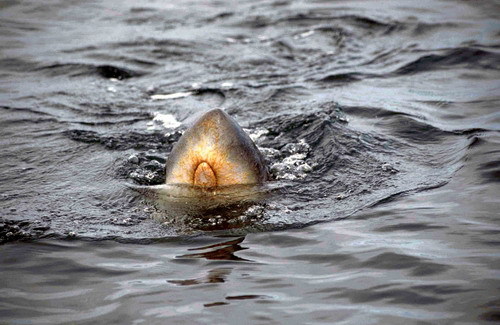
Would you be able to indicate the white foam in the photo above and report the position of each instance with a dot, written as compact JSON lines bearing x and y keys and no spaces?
{"x":171,"y":96}
{"x":306,"y":34}
{"x":256,"y":134}
{"x":293,"y":166}
{"x":295,"y":159}
{"x":167,"y":120}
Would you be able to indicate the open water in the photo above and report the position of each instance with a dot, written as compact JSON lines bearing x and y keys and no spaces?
{"x":379,"y":121}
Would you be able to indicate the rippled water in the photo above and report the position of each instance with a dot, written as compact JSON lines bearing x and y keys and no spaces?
{"x":379,"y":121}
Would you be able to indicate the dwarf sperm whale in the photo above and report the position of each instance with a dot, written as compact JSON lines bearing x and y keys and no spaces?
{"x":215,"y":152}
{"x":214,"y":169}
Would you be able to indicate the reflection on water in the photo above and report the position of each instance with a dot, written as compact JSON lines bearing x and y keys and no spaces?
{"x":220,"y":251}
{"x":213,"y":276}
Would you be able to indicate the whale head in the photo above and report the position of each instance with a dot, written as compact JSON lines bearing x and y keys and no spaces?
{"x":215,"y":152}
{"x":214,"y":169}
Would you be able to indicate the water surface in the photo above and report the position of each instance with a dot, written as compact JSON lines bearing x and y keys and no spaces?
{"x":379,"y":123}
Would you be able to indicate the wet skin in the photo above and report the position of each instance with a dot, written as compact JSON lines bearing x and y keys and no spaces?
{"x":214,"y":165}
{"x":215,"y":152}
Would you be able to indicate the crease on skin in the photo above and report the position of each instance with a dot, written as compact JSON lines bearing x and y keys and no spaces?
{"x":204,"y":175}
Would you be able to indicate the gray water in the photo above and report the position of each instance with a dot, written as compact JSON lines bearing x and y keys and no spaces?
{"x":379,"y":122}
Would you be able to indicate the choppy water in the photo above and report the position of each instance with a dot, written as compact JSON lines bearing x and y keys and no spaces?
{"x":379,"y":121}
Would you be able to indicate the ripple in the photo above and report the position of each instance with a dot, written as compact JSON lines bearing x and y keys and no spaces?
{"x":380,"y":122}
{"x":394,"y":261}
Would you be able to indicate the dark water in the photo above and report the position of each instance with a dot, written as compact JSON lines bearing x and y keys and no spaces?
{"x":379,"y":121}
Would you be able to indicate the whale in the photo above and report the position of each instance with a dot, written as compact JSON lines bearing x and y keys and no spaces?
{"x":215,"y":152}
{"x":214,"y":169}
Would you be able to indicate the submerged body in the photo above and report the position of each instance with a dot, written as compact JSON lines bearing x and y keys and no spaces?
{"x":215,"y":152}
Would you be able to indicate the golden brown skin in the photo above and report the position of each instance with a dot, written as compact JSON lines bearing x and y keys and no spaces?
{"x":215,"y":152}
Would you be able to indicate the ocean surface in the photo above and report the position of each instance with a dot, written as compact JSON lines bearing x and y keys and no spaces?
{"x":379,"y":121}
